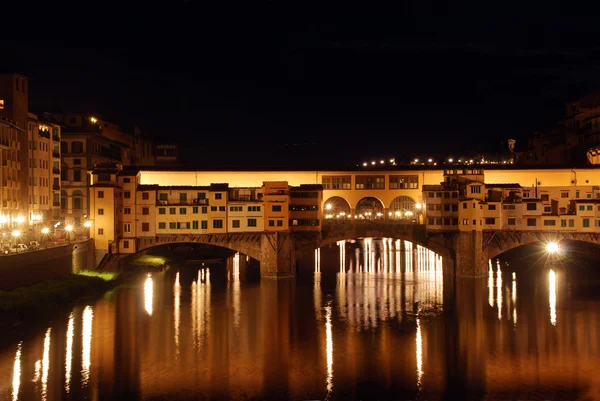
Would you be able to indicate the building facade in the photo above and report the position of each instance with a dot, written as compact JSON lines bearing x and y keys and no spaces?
{"x":465,"y":202}
{"x":122,"y":210}
{"x":10,"y":194}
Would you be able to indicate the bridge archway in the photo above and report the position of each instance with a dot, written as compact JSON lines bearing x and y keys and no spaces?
{"x":370,"y":207}
{"x":400,"y":205}
{"x":336,"y":205}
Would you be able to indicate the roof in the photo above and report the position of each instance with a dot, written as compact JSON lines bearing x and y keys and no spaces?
{"x":313,"y":187}
{"x":503,"y":185}
{"x":178,"y":187}
{"x":219,"y":187}
{"x":10,"y":123}
{"x":147,"y":187}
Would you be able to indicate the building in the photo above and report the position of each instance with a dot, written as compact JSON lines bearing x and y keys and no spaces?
{"x":464,"y":202}
{"x":88,"y":141}
{"x":10,"y":193}
{"x":167,"y":154}
{"x":122,"y":210}
{"x":574,"y":141}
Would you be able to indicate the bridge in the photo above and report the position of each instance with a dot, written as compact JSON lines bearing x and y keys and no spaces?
{"x":466,"y":252}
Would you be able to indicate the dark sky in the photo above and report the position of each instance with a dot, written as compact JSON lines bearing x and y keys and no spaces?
{"x":365,"y":83}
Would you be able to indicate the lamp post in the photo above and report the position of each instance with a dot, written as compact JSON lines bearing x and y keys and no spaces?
{"x":15,"y":236}
{"x":45,"y":233}
{"x":69,"y":230}
{"x":88,"y":225}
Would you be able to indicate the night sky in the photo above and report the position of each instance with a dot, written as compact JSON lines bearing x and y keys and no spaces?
{"x":424,"y":79}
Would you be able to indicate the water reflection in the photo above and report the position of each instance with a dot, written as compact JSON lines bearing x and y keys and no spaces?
{"x":552,"y":295}
{"x":148,"y":294}
{"x":16,"y":382}
{"x":86,"y":346}
{"x":361,"y":334}
{"x":235,"y":290}
{"x":46,"y":364}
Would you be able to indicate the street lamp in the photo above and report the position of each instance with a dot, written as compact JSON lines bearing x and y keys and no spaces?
{"x":15,"y":235}
{"x":69,"y":229}
{"x":552,"y":247}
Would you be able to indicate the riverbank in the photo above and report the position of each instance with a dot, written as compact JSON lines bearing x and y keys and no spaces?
{"x":43,"y":300}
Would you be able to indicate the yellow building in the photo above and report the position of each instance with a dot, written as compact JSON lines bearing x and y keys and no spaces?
{"x":10,"y":196}
{"x":106,"y":203}
{"x":246,"y":212}
{"x":277,"y":200}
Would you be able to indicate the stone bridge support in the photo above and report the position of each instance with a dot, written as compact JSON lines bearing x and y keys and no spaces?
{"x":278,"y":257}
{"x":469,"y":258}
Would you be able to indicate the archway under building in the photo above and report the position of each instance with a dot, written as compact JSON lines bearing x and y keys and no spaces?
{"x":370,"y":208}
{"x":336,"y":207}
{"x":403,"y":207}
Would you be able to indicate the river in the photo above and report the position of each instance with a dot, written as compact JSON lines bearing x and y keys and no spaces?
{"x":386,"y":326}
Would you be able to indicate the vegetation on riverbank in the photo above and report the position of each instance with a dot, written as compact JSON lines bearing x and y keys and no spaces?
{"x":41,"y":300}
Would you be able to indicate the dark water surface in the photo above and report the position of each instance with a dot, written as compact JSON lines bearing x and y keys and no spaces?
{"x":389,"y":325}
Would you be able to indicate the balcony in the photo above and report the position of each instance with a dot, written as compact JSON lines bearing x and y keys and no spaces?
{"x":56,"y":154}
{"x":55,"y":171}
{"x":44,"y":134}
{"x":56,"y":187}
{"x":55,"y":138}
{"x":200,"y":202}
{"x":56,"y":204}
{"x":246,"y":198}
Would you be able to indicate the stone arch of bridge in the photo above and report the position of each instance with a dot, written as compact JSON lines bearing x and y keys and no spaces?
{"x":495,"y":244}
{"x":247,"y":244}
{"x":337,"y":204}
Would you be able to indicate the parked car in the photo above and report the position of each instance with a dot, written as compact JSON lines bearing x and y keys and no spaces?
{"x":19,"y":248}
{"x":33,"y":245}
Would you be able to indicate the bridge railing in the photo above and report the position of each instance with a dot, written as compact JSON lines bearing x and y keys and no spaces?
{"x":388,"y":228}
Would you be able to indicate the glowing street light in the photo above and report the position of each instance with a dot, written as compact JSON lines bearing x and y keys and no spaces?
{"x":45,"y":230}
{"x":20,"y":219}
{"x":69,"y":229}
{"x":328,"y":206}
{"x":87,"y":224}
{"x":418,"y":206}
{"x":16,"y":233}
{"x":93,"y":120}
{"x":552,"y":247}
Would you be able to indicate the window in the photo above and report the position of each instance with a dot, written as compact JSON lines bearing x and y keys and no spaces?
{"x":254,"y":208}
{"x":549,"y":222}
{"x":204,"y":224}
{"x":404,"y":181}
{"x":100,"y":194}
{"x":251,"y":222}
{"x":276,"y":208}
{"x":100,"y":231}
{"x":195,"y":210}
{"x":162,"y":210}
{"x":127,"y":194}
{"x":563,"y":223}
{"x":279,"y":223}
{"x":163,"y":196}
{"x":476,"y":189}
{"x":588,"y":195}
{"x":532,"y":206}
{"x":509,"y":207}
{"x":127,"y":210}
{"x":126,"y":244}
{"x":490,"y":221}
{"x":195,"y":224}
{"x":218,"y":223}
{"x":512,"y":221}
{"x":564,"y":194}
{"x":221,"y":208}
{"x":201,"y":195}
{"x":545,"y":198}
{"x":126,"y":180}
{"x":172,"y":210}
{"x":77,"y":175}
{"x":145,"y":196}
{"x":182,"y":210}
{"x":547,"y":209}
{"x":162,"y":225}
{"x":530,"y":222}
{"x":100,"y":212}
{"x":146,"y":211}
{"x":337,"y":182}
{"x":571,"y":222}
{"x":204,"y":209}
{"x":271,"y":223}
{"x":586,"y":223}
{"x":370,"y":182}
{"x":182,"y":197}
{"x":577,"y":194}
{"x":465,"y":222}
{"x":525,"y":194}
{"x":235,"y":223}
{"x":145,"y":227}
{"x":236,"y":208}
{"x":491,"y":207}
{"x":218,"y":196}
{"x":126,"y":228}
{"x":77,"y":147}
{"x":172,"y":225}
{"x":213,"y":208}
{"x":431,"y":221}
{"x":464,"y":205}
{"x":582,"y":208}
{"x":590,"y":208}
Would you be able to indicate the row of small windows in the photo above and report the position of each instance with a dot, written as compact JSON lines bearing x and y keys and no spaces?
{"x":530,"y":222}
{"x":370,"y":182}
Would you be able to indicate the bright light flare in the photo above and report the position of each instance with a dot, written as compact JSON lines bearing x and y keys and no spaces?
{"x":87,"y":224}
{"x":552,"y":247}
{"x":69,"y":228}
{"x":16,"y":233}
{"x":328,"y":206}
{"x":45,"y":230}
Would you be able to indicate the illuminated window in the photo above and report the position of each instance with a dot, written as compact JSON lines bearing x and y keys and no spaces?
{"x":1,"y":104}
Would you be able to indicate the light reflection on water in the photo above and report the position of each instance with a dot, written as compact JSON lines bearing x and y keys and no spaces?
{"x":348,"y":331}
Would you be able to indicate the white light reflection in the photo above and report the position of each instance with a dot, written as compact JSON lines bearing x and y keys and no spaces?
{"x":176,"y":311}
{"x":499,"y":290}
{"x":236,"y":291}
{"x":16,"y":382}
{"x":201,"y":306}
{"x":342,"y":245}
{"x":552,"y":295}
{"x":318,"y":260}
{"x":397,"y":250}
{"x":514,"y":297}
{"x":329,"y":348}
{"x":148,"y":294}
{"x":419,"y":353}
{"x":69,"y":351}
{"x":88,"y":317}
{"x":46,"y":364}
{"x":490,"y":284}
{"x":317,"y":294}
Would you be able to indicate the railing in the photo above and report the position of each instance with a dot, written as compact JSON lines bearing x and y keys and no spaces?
{"x":56,"y":204}
{"x":200,"y":202}
{"x":56,"y":187}
{"x":56,"y":154}
{"x":55,"y":138}
{"x":55,"y":171}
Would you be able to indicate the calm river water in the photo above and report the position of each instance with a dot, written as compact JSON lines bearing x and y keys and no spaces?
{"x":388,"y":325}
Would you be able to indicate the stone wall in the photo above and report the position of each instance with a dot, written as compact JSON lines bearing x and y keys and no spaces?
{"x":278,"y":258}
{"x":28,"y":268}
{"x":469,"y":260}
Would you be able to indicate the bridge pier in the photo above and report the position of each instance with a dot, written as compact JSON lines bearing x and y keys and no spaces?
{"x":278,"y":257}
{"x":469,"y":257}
